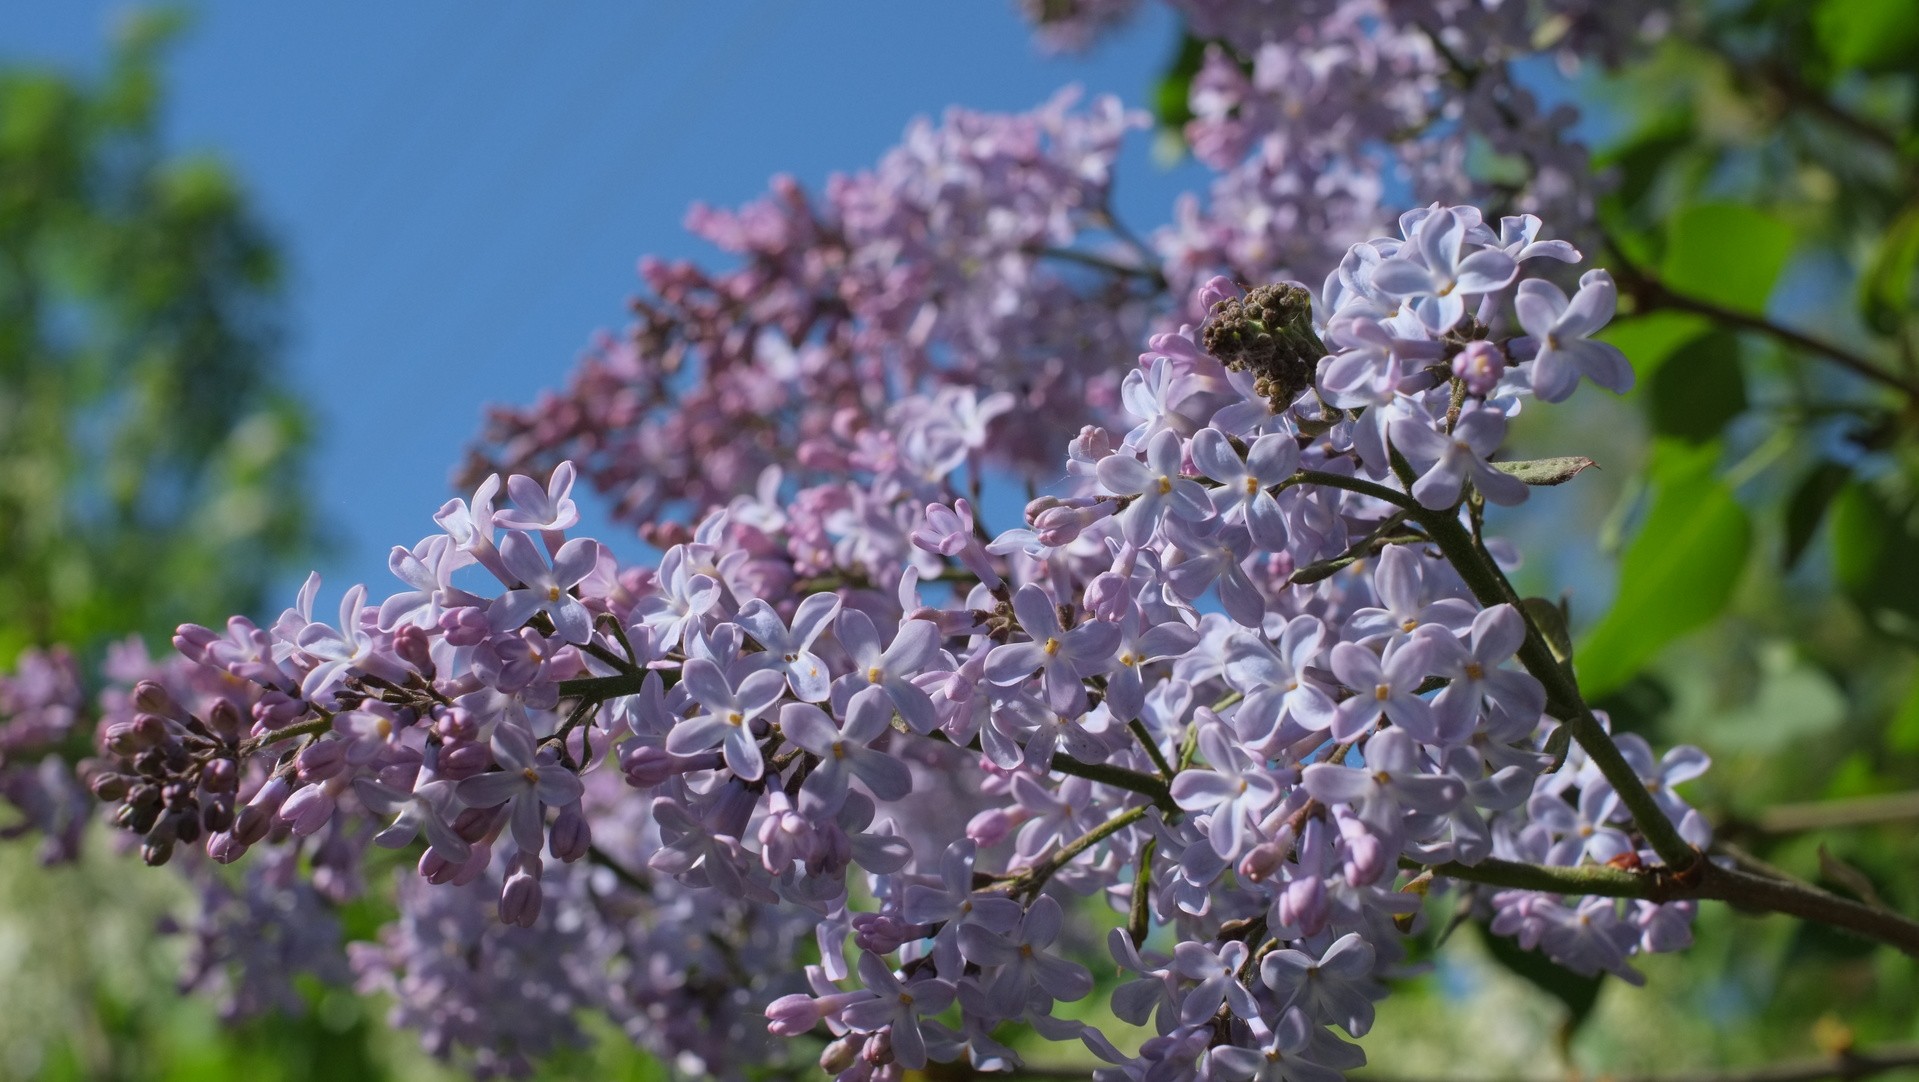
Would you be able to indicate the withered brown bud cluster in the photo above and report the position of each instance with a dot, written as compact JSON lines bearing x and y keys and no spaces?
{"x":1268,"y":332}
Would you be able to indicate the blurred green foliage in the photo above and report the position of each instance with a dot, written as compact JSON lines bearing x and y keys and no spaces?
{"x":1758,"y":510}
{"x":150,"y":458}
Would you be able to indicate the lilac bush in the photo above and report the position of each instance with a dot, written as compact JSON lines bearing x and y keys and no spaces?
{"x":931,"y":752}
{"x":841,"y":772}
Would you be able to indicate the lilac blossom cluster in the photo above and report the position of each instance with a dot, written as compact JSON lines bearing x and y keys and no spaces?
{"x":979,"y":270}
{"x":931,"y":285}
{"x":1233,"y":679}
{"x":1320,"y":115}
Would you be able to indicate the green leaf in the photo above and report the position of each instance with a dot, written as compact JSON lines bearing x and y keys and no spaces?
{"x":1807,"y":506}
{"x":1888,"y":291}
{"x":1547,"y":471}
{"x":1649,"y":339}
{"x":1872,"y":35}
{"x":1171,"y":106}
{"x":1874,"y":552}
{"x":1678,"y":572}
{"x":1579,"y":994}
{"x":1550,"y":618}
{"x":1726,"y":253}
{"x":1699,"y":389}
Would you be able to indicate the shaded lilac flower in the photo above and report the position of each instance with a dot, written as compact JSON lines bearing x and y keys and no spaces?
{"x":729,"y":713}
{"x":1453,"y":460}
{"x":527,"y":781}
{"x":1141,"y":642}
{"x":1295,"y":1051}
{"x":544,"y":589}
{"x":349,"y":647}
{"x":1156,"y":486}
{"x":791,"y":651}
{"x":1027,"y":976}
{"x":949,"y":532}
{"x":1563,"y":331}
{"x":1243,"y":497}
{"x":1519,"y":238}
{"x":844,"y":752}
{"x":1217,"y":972}
{"x":1061,"y":658}
{"x":1336,"y":988}
{"x":1216,"y":559}
{"x":897,"y":1006}
{"x":1583,"y":832}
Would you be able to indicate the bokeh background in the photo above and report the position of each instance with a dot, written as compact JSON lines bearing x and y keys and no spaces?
{"x":312,"y":244}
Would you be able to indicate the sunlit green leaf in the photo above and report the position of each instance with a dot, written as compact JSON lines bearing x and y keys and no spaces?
{"x":1678,"y":571}
{"x":1726,"y":253}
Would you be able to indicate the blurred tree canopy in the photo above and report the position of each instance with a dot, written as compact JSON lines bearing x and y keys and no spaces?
{"x":150,"y":456}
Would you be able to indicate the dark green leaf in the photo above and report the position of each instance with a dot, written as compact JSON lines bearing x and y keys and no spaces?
{"x":1806,"y":508}
{"x":1547,"y":471}
{"x":1550,"y":618}
{"x":1699,"y":389}
{"x":1678,"y":572}
{"x":1726,"y":253}
{"x":1873,"y":35}
{"x":1874,"y":552}
{"x":1888,"y":290}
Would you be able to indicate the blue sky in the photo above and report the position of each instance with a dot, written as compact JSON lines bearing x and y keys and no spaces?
{"x":463,"y":189}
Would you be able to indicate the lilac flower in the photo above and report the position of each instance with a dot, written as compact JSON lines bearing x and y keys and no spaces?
{"x":1582,"y":833}
{"x":544,"y":589}
{"x":1027,"y":976}
{"x":1518,"y":238}
{"x":1157,"y":487}
{"x":1243,"y":497}
{"x":1393,"y":781}
{"x":915,"y":645}
{"x":1453,"y":460}
{"x":844,"y":752}
{"x":1063,"y":659}
{"x":1383,"y":690}
{"x":1217,"y":972}
{"x":1439,"y":283}
{"x":1335,"y":988}
{"x":1236,"y":791}
{"x":1475,"y":675}
{"x":897,"y":1006}
{"x":1215,"y":559}
{"x":684,"y":596}
{"x":1294,"y":1051}
{"x":948,"y":531}
{"x":1400,"y":582}
{"x":790,"y":652}
{"x":1141,"y":642}
{"x":548,"y":510}
{"x":527,"y":782}
{"x":1275,"y":683}
{"x":729,"y":713}
{"x":339,"y":651}
{"x":1563,"y":331}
